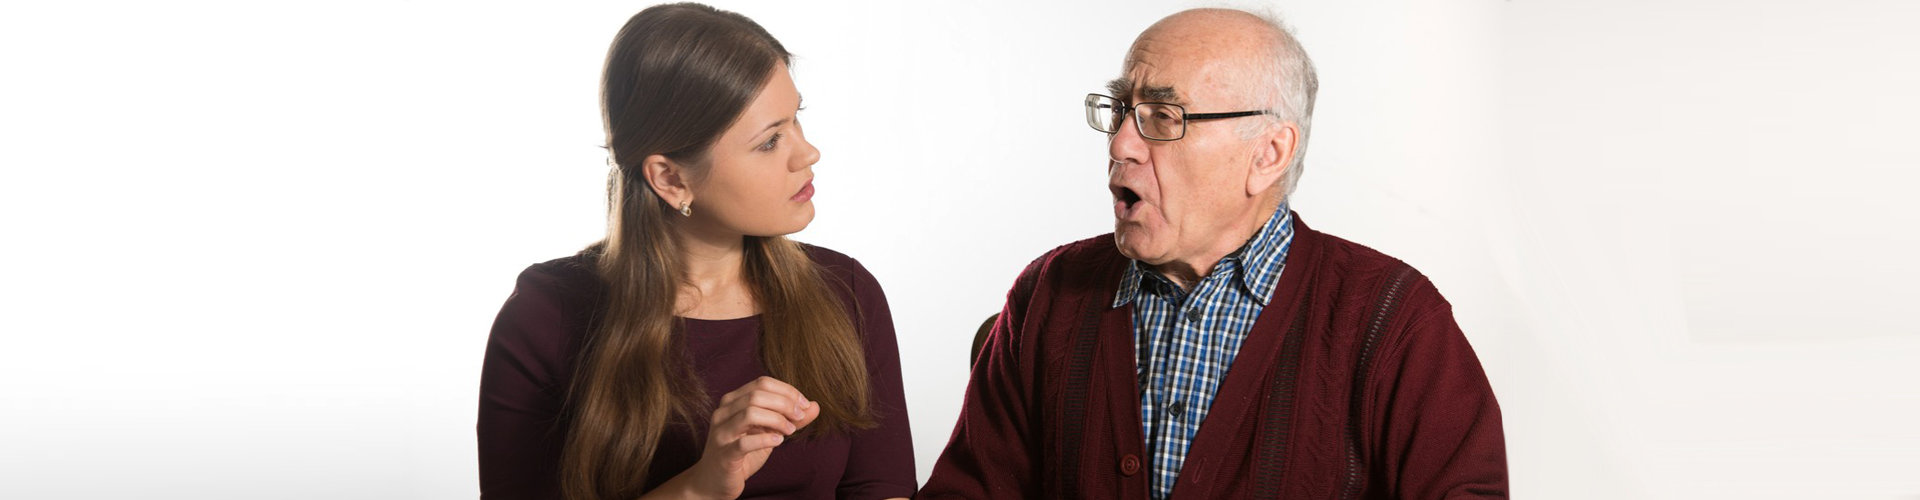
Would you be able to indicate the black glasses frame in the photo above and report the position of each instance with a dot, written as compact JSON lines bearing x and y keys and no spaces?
{"x":1124,"y":109}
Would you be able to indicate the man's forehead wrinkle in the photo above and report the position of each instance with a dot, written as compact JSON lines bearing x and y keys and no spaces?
{"x":1179,"y":53}
{"x":1143,"y":72}
{"x":1200,"y":66}
{"x":1149,"y":46}
{"x":1141,"y":59}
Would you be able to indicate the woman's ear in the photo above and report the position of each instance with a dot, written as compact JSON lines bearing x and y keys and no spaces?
{"x":664,"y":176}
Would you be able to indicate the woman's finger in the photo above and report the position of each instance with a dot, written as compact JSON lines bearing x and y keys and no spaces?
{"x":739,"y":392}
{"x":761,"y":398}
{"x":756,"y":442}
{"x":775,"y":401}
{"x":807,"y":416}
{"x":775,"y":385}
{"x":744,"y":422}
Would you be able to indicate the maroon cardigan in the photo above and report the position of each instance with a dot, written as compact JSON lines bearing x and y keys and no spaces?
{"x":1354,"y":383}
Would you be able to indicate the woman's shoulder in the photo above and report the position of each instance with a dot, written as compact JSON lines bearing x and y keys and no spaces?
{"x":567,"y":290}
{"x":839,"y":265}
{"x":540,"y":327}
{"x":572,"y":275}
{"x":850,"y":278}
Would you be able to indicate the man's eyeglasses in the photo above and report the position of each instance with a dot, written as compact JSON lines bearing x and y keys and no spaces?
{"x":1157,"y":121}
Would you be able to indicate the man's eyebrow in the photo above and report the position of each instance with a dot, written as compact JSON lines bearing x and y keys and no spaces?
{"x":1122,"y":89}
{"x":1160,"y":94}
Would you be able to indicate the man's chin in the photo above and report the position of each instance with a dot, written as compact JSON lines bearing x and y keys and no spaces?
{"x":1133,"y":245}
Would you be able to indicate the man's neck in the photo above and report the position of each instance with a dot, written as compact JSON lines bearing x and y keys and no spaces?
{"x":1188,"y":271}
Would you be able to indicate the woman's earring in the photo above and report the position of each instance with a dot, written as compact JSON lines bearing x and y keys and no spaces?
{"x":686,"y":208}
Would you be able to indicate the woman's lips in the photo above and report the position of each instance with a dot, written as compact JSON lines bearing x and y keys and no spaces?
{"x":806,"y":193}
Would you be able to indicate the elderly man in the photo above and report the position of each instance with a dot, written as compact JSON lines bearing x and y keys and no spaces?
{"x":1214,"y":346}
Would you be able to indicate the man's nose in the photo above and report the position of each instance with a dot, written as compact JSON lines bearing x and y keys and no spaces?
{"x":1127,"y":145}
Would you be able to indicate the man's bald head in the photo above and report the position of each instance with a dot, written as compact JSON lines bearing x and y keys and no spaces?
{"x":1254,"y":57}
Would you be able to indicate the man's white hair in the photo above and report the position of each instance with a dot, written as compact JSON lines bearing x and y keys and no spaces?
{"x":1283,"y":81}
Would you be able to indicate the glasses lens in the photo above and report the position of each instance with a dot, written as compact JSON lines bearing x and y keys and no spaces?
{"x":1164,"y":122}
{"x":1103,"y":113}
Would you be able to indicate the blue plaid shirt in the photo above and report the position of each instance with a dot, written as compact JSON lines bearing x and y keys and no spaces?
{"x":1185,"y":340}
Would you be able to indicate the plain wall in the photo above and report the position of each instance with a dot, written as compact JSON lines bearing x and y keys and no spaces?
{"x":254,"y":250}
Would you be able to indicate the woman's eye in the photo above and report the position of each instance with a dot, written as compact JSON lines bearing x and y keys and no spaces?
{"x":771,"y":143}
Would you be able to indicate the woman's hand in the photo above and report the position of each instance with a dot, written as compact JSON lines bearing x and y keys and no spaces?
{"x":747,"y":424}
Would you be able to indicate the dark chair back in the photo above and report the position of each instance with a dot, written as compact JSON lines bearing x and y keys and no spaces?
{"x":980,"y":338}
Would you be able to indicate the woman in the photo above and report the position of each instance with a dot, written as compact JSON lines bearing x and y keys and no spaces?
{"x":695,"y":352}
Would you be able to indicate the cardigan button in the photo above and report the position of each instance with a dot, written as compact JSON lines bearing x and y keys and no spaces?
{"x":1129,"y":465}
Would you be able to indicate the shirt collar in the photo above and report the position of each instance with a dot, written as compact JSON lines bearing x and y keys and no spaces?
{"x":1266,"y":254}
{"x":1258,"y":262}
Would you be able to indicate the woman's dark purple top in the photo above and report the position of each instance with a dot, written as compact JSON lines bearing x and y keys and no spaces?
{"x":536,"y":340}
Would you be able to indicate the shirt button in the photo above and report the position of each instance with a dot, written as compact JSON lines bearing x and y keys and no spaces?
{"x":1130,"y":464}
{"x":1193,"y":314}
{"x":1178,"y":409}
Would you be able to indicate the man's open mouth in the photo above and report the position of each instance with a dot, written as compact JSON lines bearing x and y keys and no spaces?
{"x":1125,"y":195}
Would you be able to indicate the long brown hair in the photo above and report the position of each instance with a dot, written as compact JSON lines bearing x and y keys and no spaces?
{"x":677,"y":76}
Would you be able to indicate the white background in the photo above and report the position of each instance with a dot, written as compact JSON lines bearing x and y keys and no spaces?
{"x":253,"y":251}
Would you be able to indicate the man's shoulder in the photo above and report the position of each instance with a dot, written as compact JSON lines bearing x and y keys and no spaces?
{"x":1090,"y":251}
{"x":1080,"y":258}
{"x":1077,"y":268}
{"x":1347,"y":257}
{"x":1364,"y":272}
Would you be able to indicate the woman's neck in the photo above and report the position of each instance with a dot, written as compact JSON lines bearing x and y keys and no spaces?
{"x":716,"y":285}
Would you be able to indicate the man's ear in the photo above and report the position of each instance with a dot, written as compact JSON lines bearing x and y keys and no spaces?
{"x":664,"y":176}
{"x":1274,"y":154}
